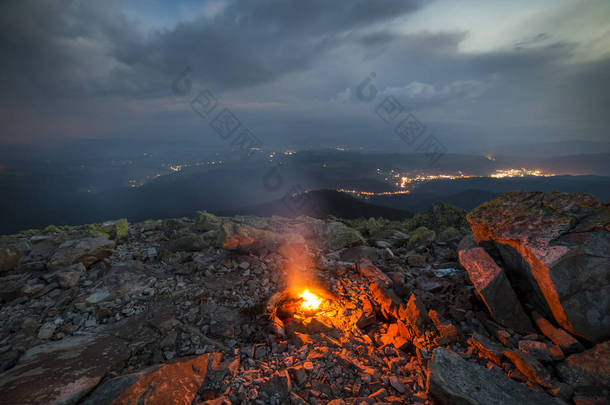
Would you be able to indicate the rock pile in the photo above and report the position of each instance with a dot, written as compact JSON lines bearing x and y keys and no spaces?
{"x":194,"y":311}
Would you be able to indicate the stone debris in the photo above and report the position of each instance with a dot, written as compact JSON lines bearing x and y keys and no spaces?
{"x":206,"y":310}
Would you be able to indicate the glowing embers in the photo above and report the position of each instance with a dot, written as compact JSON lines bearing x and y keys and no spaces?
{"x":310,"y":300}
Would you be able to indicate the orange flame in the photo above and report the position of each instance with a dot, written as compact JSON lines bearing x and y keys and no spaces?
{"x":310,"y":301}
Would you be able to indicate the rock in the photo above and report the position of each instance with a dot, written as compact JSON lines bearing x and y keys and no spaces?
{"x":591,"y":367}
{"x":488,"y":349}
{"x":416,"y":260}
{"x":279,"y":384}
{"x":422,"y":236}
{"x":439,"y":216}
{"x":558,"y":336}
{"x":562,"y":391}
{"x":449,"y":234}
{"x":186,"y":243}
{"x":493,"y":287}
{"x":86,"y":251}
{"x":354,"y":254}
{"x":69,"y":276}
{"x":397,"y":384}
{"x":415,"y":314}
{"x":592,"y":396}
{"x":453,"y":380}
{"x":446,"y":329}
{"x":176,"y":382}
{"x":116,"y":230}
{"x":372,"y":273}
{"x":207,"y":222}
{"x":538,"y":350}
{"x":559,"y":246}
{"x":10,"y":257}
{"x":98,"y":296}
{"x":47,"y":330}
{"x":243,"y":237}
{"x":530,"y":367}
{"x":62,"y":372}
{"x":341,"y":236}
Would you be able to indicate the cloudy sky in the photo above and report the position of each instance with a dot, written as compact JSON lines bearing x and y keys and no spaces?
{"x":475,"y":73}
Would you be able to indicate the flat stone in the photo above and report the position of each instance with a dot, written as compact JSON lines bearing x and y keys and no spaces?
{"x":493,"y":287}
{"x":488,"y":349}
{"x":539,"y":350}
{"x":62,"y":372}
{"x":530,"y":367}
{"x":453,"y":380}
{"x":176,"y":383}
{"x":86,"y":251}
{"x":69,"y":276}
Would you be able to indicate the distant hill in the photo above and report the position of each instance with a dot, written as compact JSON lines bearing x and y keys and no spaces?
{"x":321,"y":204}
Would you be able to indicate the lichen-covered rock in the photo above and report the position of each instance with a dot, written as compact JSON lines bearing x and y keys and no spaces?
{"x":422,"y":236}
{"x":239,"y":236}
{"x":207,"y":222}
{"x":116,"y":229}
{"x":450,"y":234}
{"x":439,"y":216}
{"x":340,"y":236}
{"x":557,"y":246}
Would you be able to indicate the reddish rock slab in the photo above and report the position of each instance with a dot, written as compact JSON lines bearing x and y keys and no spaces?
{"x":62,"y":372}
{"x":493,"y":287}
{"x":530,"y":367}
{"x":559,"y":245}
{"x":368,"y":270}
{"x":558,"y":336}
{"x":488,"y":349}
{"x":591,"y":367}
{"x":174,"y":383}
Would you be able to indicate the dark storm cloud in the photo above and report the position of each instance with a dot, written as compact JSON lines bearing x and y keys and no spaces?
{"x":82,"y":47}
{"x":88,"y":68}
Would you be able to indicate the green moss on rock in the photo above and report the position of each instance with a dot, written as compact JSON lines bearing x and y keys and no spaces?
{"x":422,"y":236}
{"x":207,"y":222}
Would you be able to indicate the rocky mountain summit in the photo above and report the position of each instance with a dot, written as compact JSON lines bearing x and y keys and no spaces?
{"x":506,"y":304}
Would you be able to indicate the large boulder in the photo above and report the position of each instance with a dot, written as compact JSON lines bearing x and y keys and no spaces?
{"x":591,"y":367}
{"x":86,"y":251}
{"x":453,"y":380}
{"x":556,"y":247}
{"x":493,"y":287}
{"x":62,"y":372}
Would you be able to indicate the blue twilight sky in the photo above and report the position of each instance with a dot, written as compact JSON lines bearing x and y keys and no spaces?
{"x":476,"y":73}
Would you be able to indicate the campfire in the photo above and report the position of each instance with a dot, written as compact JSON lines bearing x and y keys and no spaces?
{"x":310,"y":300}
